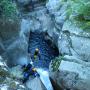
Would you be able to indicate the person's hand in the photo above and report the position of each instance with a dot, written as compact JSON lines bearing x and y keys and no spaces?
{"x":37,"y":75}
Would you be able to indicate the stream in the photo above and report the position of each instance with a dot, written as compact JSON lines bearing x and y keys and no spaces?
{"x":48,"y":50}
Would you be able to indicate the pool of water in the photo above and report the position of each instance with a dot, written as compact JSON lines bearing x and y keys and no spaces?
{"x":48,"y":51}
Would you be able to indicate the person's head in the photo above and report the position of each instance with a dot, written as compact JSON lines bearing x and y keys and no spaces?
{"x":34,"y":69}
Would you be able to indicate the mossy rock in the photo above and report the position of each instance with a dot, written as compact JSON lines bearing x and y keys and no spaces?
{"x":56,"y":63}
{"x":78,"y":11}
{"x":3,"y":75}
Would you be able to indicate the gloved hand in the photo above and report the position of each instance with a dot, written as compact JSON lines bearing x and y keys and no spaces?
{"x":36,"y":74}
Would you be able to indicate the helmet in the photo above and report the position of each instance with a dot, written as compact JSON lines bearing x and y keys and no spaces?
{"x":34,"y":69}
{"x":36,"y":49}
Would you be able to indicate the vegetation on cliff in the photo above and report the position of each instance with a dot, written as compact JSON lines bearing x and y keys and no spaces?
{"x":78,"y":12}
{"x":7,"y":9}
{"x":56,"y":63}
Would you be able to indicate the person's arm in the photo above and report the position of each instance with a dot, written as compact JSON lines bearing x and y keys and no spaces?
{"x":39,"y":55}
{"x":23,"y":66}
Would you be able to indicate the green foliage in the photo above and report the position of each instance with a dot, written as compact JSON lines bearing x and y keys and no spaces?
{"x":56,"y":63}
{"x":7,"y":9}
{"x":78,"y":11}
{"x":81,"y":8}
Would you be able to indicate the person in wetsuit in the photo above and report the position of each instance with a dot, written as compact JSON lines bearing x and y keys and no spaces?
{"x":29,"y":70}
{"x":37,"y":54}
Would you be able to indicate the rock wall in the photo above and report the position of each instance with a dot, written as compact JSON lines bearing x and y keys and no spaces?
{"x":13,"y":42}
{"x":73,"y":42}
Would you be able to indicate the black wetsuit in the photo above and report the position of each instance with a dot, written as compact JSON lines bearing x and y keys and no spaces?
{"x":37,"y":54}
{"x":27,"y":71}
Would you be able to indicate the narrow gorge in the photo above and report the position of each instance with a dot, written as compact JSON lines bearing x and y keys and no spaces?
{"x":60,"y":29}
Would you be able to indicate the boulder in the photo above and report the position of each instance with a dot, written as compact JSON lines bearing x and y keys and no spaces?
{"x":74,"y":41}
{"x":72,"y":74}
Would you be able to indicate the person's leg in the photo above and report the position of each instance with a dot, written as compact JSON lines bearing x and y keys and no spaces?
{"x":39,"y":56}
{"x":36,"y":74}
{"x":26,"y":76}
{"x":24,"y":80}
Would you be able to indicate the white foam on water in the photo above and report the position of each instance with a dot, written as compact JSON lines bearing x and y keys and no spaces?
{"x":44,"y":76}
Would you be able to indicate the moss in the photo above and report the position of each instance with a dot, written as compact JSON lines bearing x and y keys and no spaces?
{"x":3,"y":75}
{"x":7,"y":9}
{"x":78,"y":11}
{"x":56,"y":63}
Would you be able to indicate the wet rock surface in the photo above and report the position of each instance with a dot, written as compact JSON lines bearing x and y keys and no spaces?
{"x":48,"y":50}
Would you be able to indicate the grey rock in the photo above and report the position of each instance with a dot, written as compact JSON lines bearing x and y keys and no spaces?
{"x":7,"y":28}
{"x":64,"y":43}
{"x":14,"y":41}
{"x":16,"y":51}
{"x":81,"y":46}
{"x":25,"y":28}
{"x":16,"y":72}
{"x":72,"y":75}
{"x":35,"y":84}
{"x":73,"y":42}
